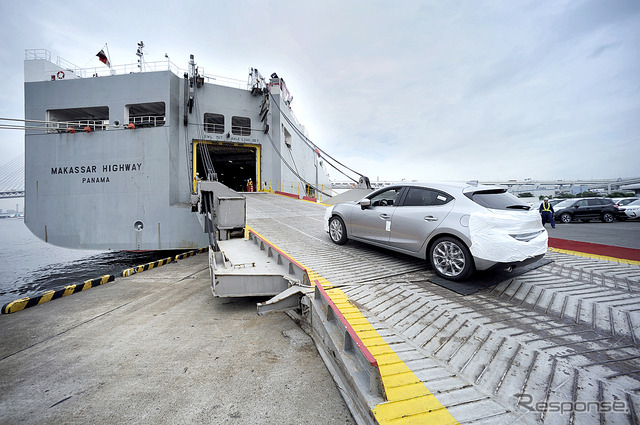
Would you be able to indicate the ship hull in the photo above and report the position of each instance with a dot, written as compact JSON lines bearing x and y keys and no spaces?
{"x":115,"y":166}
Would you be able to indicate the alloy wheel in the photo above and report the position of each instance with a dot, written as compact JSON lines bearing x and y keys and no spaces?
{"x":448,"y":258}
{"x":337,"y":231}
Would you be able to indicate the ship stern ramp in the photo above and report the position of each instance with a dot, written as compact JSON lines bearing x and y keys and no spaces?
{"x":239,"y":269}
{"x":241,"y":266}
{"x":254,"y":267}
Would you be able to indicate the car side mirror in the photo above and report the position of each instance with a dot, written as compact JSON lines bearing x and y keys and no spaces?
{"x":364,"y":203}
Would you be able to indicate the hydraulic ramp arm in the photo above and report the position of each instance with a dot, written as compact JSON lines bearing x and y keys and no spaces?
{"x":244,"y":266}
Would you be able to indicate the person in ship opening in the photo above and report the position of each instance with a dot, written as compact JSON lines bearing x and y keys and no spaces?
{"x":546,"y":211}
{"x":196,"y":179}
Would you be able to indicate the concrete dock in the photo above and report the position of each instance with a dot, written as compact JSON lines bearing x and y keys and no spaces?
{"x":157,"y":347}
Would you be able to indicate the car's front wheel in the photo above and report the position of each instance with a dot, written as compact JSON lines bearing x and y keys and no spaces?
{"x":337,"y":231}
{"x":565,"y":218}
{"x":451,"y":259}
{"x":607,"y":217}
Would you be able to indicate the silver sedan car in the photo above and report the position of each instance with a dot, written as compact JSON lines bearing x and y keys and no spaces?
{"x":459,"y":228}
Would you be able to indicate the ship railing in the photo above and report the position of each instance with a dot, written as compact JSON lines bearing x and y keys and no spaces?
{"x":44,"y":54}
{"x":154,"y":67}
{"x":148,"y":121}
{"x":298,"y":189}
{"x":132,"y":68}
{"x":226,"y":81}
{"x":86,"y":126}
{"x":100,"y":71}
{"x":37,"y":54}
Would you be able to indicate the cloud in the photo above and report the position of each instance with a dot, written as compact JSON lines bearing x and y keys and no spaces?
{"x":418,"y":90}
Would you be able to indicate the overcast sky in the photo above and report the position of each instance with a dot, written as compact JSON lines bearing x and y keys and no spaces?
{"x":427,"y":90}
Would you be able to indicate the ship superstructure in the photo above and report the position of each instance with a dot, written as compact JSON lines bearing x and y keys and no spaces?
{"x":111,"y":159}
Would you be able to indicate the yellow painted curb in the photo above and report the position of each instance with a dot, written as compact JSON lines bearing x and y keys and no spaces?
{"x":408,"y":399}
{"x":595,"y":256}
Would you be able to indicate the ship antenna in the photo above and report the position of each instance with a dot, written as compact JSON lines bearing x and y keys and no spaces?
{"x":140,"y":55}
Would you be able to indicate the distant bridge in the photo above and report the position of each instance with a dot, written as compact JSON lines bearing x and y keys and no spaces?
{"x":12,"y":178}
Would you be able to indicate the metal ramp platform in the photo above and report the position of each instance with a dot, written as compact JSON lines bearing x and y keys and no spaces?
{"x":239,"y":269}
{"x":557,"y":344}
{"x":562,"y":336}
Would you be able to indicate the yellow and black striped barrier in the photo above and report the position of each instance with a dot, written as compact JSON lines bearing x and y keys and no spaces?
{"x":27,"y":302}
{"x":47,"y":296}
{"x":191,"y":253}
{"x":148,"y":266}
{"x":186,"y":255}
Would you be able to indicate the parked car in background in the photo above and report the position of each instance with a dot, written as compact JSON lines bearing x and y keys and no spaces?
{"x":458,"y":228}
{"x":619,"y":204}
{"x":632,"y":210}
{"x":585,"y":209}
{"x":553,"y":202}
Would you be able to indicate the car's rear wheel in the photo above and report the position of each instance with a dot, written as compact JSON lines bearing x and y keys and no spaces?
{"x":337,"y":231}
{"x":451,"y":259}
{"x":607,"y":217}
{"x":565,"y":218}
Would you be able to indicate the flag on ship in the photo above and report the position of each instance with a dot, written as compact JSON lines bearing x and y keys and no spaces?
{"x":103,"y":58}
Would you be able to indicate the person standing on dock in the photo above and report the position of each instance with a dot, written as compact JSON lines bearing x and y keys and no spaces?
{"x":546,"y":211}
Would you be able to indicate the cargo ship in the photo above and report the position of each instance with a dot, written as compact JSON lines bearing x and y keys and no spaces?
{"x":112,"y":154}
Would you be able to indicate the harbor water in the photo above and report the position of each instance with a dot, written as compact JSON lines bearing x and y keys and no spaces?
{"x":29,"y":266}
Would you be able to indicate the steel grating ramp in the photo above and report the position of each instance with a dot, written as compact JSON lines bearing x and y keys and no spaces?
{"x":562,"y":336}
{"x":484,"y":280}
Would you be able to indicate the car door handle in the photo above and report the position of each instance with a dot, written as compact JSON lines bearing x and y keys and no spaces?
{"x":385,"y":216}
{"x":430,"y":218}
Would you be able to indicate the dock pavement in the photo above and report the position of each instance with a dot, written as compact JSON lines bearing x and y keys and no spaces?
{"x":157,"y":347}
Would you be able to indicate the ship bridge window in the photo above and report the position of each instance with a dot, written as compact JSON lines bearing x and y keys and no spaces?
{"x":146,"y":114}
{"x":214,"y":123}
{"x":241,"y":126}
{"x":61,"y":120}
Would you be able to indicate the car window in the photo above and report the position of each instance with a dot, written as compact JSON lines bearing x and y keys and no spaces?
{"x":564,"y":204}
{"x":497,"y":199}
{"x":420,"y":196}
{"x":634,"y":203}
{"x":581,"y":203}
{"x":385,"y":198}
{"x":594,"y":202}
